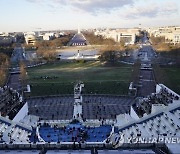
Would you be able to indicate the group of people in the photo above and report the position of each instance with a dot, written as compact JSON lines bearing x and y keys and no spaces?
{"x":46,"y":77}
{"x":164,"y":97}
{"x":10,"y":102}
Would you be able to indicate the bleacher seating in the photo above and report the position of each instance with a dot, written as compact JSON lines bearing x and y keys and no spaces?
{"x":52,"y":108}
{"x":74,"y":133}
{"x":105,"y":107}
{"x":93,"y":106}
{"x":163,"y":123}
{"x":10,"y":102}
{"x":163,"y":97}
{"x":14,"y":133}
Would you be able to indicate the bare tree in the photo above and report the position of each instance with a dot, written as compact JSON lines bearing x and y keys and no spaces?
{"x":23,"y":74}
{"x":2,"y":76}
{"x":4,"y":65}
{"x":47,"y":54}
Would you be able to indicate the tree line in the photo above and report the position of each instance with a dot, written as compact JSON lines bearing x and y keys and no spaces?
{"x":46,"y":49}
{"x":4,"y":65}
{"x":166,"y":49}
{"x":110,"y":50}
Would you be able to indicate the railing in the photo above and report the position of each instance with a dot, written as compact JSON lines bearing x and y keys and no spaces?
{"x":72,"y":145}
{"x":72,"y":95}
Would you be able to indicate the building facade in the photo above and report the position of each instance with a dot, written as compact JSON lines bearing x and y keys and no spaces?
{"x":128,"y":36}
{"x":171,"y":34}
{"x":30,"y":38}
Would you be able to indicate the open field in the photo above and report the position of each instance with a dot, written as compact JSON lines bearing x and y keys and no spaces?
{"x":59,"y":78}
{"x":173,"y":75}
{"x":170,"y":76}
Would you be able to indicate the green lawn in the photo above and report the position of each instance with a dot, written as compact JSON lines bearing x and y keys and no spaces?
{"x":173,"y":77}
{"x":98,"y":78}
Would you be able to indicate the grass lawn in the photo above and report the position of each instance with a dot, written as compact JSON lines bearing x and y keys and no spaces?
{"x":98,"y":78}
{"x":173,"y":76}
{"x":168,"y":75}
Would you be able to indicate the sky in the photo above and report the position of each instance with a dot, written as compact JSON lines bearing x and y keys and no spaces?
{"x":36,"y":15}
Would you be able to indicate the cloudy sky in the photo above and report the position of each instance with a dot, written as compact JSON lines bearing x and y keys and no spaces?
{"x":27,"y":15}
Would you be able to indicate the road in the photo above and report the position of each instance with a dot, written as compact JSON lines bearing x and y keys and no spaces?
{"x":14,"y":78}
{"x":18,"y":55}
{"x":146,"y":83}
{"x":146,"y":54}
